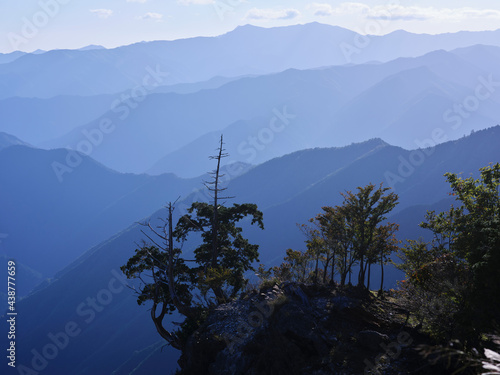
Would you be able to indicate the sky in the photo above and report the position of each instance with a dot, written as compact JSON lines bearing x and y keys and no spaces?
{"x":29,"y":25}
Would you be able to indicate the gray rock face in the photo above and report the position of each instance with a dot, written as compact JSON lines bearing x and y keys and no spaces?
{"x":296,"y":329}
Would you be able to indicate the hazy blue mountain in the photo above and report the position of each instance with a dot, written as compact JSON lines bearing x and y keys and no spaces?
{"x":7,"y":140}
{"x":9,"y":57}
{"x":402,"y":101}
{"x":289,"y":190}
{"x":40,"y":120}
{"x":103,"y":71}
{"x":50,"y":221}
{"x":407,"y":107}
{"x":402,"y":43}
{"x":188,"y":88}
{"x":165,"y":122}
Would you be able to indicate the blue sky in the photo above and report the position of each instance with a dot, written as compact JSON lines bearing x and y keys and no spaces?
{"x":50,"y":24}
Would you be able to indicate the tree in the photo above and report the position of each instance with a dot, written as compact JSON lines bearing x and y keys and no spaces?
{"x":317,"y":249}
{"x":219,"y":265}
{"x":333,"y":229}
{"x":434,"y":287}
{"x":472,"y":233}
{"x":455,"y":278}
{"x":384,"y":245}
{"x":234,"y":254}
{"x":170,"y":281}
{"x":353,"y":233}
{"x":414,"y":255}
{"x":364,"y":212}
{"x":299,"y":264}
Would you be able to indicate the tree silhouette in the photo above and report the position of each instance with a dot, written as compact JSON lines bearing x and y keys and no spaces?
{"x":219,"y":263}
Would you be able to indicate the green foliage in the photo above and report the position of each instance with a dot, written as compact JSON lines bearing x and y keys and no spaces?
{"x":414,"y":256}
{"x":235,"y":254}
{"x":263,"y":274}
{"x":477,"y":239}
{"x":217,"y":270}
{"x":364,"y":212}
{"x":151,"y":260}
{"x":150,"y":264}
{"x":299,"y":265}
{"x":343,"y":236}
{"x":454,"y":281}
{"x":434,"y":291}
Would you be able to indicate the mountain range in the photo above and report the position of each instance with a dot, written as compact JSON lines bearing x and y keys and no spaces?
{"x":103,"y":71}
{"x":429,"y":82}
{"x":288,"y":190}
{"x":267,"y":116}
{"x":95,"y":141}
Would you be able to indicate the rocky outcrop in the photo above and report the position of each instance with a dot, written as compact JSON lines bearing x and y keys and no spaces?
{"x":296,"y":329}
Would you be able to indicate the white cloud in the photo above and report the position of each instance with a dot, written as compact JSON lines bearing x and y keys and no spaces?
{"x":407,"y":13}
{"x":446,"y":14}
{"x":151,"y":16}
{"x":272,"y":14}
{"x":196,"y":2}
{"x":321,"y":9}
{"x":102,"y":13}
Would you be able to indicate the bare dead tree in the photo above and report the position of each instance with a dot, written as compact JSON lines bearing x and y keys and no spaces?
{"x":214,"y":187}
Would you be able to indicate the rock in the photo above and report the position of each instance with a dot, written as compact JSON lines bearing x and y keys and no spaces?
{"x":296,"y":330}
{"x":371,"y":340}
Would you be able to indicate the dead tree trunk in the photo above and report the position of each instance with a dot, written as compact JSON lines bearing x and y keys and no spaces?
{"x":216,"y":189}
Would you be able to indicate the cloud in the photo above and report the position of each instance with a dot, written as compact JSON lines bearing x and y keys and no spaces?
{"x":196,"y":2}
{"x":351,"y":8}
{"x":102,"y":13}
{"x":321,"y":9}
{"x":272,"y":14}
{"x":405,"y":13}
{"x":151,"y":16}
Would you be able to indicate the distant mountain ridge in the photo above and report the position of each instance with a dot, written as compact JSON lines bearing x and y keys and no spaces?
{"x":401,"y":101}
{"x":103,"y":71}
{"x":171,"y":125}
